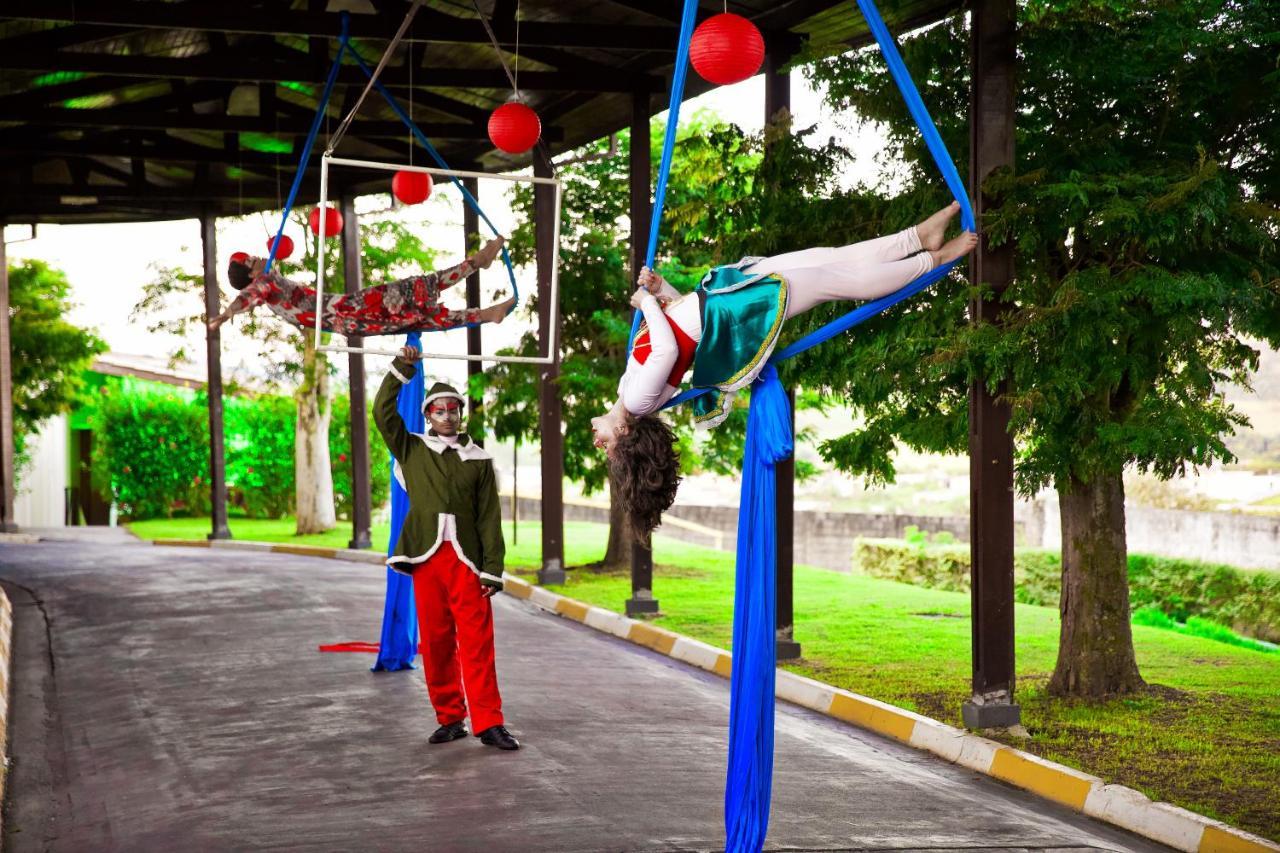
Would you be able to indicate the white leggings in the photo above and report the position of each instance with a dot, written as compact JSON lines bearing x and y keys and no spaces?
{"x":866,"y":270}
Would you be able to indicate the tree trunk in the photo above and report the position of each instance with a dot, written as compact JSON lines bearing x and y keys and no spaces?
{"x":1095,"y":645}
{"x":314,"y":477}
{"x":617,"y":554}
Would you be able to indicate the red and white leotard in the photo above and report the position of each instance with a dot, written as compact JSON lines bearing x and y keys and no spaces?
{"x":661,"y":355}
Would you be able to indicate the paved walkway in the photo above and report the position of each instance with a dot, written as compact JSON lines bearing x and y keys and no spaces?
{"x":172,"y":699}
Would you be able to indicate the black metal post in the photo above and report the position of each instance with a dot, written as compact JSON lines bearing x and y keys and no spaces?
{"x":991,"y":130}
{"x":361,"y":496}
{"x":641,"y":602}
{"x":550,"y":420}
{"x":213,"y":340}
{"x":470,"y":227}
{"x":7,"y":522}
{"x":777,"y":97}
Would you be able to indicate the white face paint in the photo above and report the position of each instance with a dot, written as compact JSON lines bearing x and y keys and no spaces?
{"x":444,"y":415}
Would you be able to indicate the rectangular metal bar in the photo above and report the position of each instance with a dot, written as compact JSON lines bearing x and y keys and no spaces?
{"x":431,"y":170}
{"x":558,"y":195}
{"x":213,"y":341}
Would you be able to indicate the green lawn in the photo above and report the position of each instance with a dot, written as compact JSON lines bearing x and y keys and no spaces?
{"x":1206,"y":736}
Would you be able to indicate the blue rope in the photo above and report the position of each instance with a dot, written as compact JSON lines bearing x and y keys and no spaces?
{"x":678,"y":76}
{"x":343,"y":46}
{"x":435,"y":155}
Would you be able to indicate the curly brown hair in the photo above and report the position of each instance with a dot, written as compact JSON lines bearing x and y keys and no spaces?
{"x":644,"y":466}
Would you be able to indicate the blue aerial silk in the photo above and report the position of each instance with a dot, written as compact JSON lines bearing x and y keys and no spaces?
{"x":751,"y":684}
{"x":399,"y":642}
{"x":769,"y":440}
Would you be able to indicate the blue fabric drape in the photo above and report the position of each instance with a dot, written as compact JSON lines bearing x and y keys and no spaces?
{"x":399,"y":642}
{"x":749,"y":782}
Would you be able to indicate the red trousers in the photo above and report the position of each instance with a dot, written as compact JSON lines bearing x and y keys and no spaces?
{"x":456,"y":624}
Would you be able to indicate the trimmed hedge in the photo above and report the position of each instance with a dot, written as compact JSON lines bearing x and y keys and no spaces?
{"x":152,"y":453}
{"x":1248,"y":601}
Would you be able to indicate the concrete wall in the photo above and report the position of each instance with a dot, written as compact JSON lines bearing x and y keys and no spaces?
{"x":1240,"y":539}
{"x":825,"y":539}
{"x":822,"y":538}
{"x":41,"y":498}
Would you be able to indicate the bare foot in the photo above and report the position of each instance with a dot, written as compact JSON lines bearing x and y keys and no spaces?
{"x":481,"y":259}
{"x":497,"y":312}
{"x":956,"y":247}
{"x":931,"y":231}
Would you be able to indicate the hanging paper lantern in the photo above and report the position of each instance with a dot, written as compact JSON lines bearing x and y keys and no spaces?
{"x":726,"y":48}
{"x":286,"y":246}
{"x":411,"y":187}
{"x":332,"y":222}
{"x":514,"y":128}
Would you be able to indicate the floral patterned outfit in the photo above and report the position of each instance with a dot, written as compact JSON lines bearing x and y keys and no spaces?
{"x":408,"y":305}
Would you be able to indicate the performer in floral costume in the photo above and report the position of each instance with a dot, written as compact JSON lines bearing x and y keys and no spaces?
{"x":408,"y":305}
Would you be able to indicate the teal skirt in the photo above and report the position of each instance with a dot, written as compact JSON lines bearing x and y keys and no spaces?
{"x":742,"y":318}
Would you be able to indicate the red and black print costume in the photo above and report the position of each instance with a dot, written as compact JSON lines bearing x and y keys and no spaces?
{"x":408,"y":305}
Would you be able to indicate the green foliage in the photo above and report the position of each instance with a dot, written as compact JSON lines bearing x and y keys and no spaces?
{"x":259,"y":435}
{"x":1239,"y":600}
{"x":1197,"y":627}
{"x":49,"y":354}
{"x":340,"y":456}
{"x":1143,"y":215}
{"x":152,"y":451}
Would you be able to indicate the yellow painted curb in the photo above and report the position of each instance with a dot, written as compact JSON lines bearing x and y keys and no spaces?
{"x":516,"y":588}
{"x":1044,"y":779}
{"x":181,"y":543}
{"x":853,"y":709}
{"x":654,"y":638}
{"x":575,"y":610}
{"x":1218,"y":840}
{"x":724,"y":665}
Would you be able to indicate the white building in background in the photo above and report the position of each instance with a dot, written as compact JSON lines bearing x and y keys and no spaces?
{"x":41,"y":499}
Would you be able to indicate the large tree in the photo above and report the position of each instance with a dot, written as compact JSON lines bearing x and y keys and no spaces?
{"x":49,"y":353}
{"x":1143,"y":215}
{"x":388,"y":248}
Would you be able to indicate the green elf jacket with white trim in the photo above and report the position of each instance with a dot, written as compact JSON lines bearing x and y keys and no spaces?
{"x":453,"y":492}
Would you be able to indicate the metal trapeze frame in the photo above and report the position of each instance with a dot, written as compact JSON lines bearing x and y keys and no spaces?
{"x":325,"y":162}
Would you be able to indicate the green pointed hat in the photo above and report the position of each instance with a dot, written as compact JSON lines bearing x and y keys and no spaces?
{"x":439,"y":390}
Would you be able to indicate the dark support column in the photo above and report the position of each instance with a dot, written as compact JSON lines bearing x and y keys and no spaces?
{"x":550,"y":421}
{"x":641,"y":602}
{"x":353,"y":278}
{"x":777,"y":97}
{"x":213,"y":339}
{"x":7,"y":522}
{"x":991,"y":130}
{"x":471,"y":227}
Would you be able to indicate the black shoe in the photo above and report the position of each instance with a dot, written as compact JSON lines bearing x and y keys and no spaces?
{"x":448,"y":732}
{"x":499,"y":736}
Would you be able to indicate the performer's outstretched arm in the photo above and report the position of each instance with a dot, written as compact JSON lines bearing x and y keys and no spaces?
{"x":386,"y":412}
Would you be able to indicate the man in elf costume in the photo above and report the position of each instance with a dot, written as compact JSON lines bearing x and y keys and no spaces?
{"x":451,"y":544}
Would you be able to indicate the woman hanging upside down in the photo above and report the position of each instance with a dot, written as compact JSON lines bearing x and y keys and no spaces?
{"x":725,"y":331}
{"x":409,"y":305}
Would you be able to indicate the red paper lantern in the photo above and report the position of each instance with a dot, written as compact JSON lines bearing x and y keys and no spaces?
{"x":726,"y":48}
{"x":286,"y":246}
{"x":332,"y":222}
{"x":514,"y":128}
{"x":411,"y":187}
